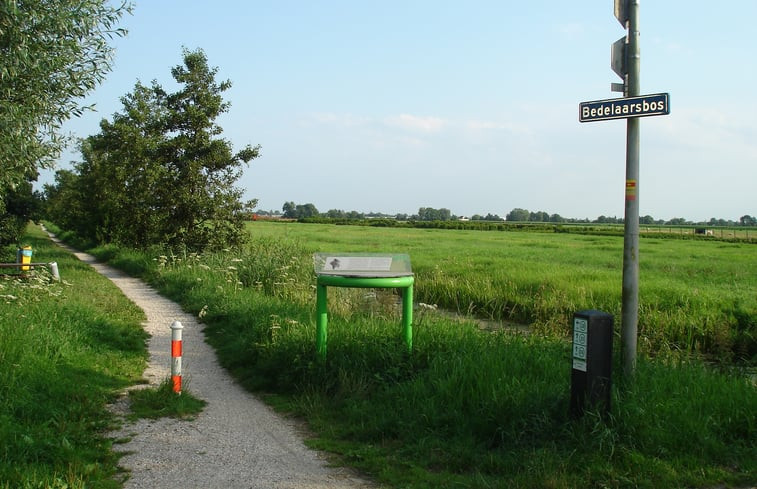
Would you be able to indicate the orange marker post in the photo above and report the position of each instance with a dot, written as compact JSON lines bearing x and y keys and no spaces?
{"x":176,"y":328}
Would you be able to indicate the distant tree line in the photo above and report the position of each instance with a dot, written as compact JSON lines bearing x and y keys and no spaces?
{"x":290,"y":210}
{"x":431,"y":214}
{"x":487,"y":217}
{"x":523,"y":215}
{"x":309,"y":211}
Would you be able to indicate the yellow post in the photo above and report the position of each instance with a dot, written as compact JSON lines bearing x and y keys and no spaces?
{"x":26,"y":257}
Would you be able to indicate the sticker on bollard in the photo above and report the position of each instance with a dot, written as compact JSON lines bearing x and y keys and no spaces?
{"x":591,"y":373}
{"x":24,"y":256}
{"x":580,"y":330}
{"x":176,"y":352}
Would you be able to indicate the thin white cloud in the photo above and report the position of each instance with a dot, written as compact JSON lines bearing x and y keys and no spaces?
{"x":417,"y":123}
{"x":571,"y":30}
{"x":475,"y":125}
{"x":343,"y":120}
{"x":721,"y":130}
{"x":671,"y":47}
{"x":479,"y":126}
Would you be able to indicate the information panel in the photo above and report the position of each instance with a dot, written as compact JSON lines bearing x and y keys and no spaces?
{"x":362,"y":264}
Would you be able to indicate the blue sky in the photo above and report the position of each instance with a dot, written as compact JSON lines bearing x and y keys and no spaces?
{"x":394,"y":105}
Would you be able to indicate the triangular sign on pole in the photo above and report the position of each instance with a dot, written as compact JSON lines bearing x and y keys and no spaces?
{"x":618,"y":57}
{"x":621,"y":12}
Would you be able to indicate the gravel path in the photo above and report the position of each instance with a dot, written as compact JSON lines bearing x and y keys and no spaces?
{"x":236,"y":442}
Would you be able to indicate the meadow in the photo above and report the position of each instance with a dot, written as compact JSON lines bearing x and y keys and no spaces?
{"x":471,"y":407}
{"x":695,"y":296}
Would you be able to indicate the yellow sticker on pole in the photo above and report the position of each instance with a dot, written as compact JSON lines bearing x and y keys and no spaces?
{"x":630,"y":189}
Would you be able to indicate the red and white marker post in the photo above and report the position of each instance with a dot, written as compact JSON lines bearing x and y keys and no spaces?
{"x":176,"y":328}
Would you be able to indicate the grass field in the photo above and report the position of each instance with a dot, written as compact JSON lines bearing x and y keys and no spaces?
{"x":695,"y":296}
{"x":466,"y":408}
{"x":66,"y":350}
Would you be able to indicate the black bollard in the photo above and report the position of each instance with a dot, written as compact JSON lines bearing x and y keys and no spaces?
{"x":591,"y":374}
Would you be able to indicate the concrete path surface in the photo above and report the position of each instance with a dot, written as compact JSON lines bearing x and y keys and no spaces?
{"x":236,"y":442}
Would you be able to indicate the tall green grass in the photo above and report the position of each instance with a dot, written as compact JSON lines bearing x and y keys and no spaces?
{"x":466,"y":408}
{"x":695,"y":296}
{"x":66,"y":349}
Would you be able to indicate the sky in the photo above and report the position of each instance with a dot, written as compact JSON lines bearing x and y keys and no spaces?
{"x":471,"y":106}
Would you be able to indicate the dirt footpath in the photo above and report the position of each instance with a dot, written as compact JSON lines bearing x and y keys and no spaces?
{"x":236,"y":442}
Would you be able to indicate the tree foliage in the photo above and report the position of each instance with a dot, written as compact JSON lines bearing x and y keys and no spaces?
{"x":18,"y":205}
{"x":747,"y":220}
{"x":299,"y":211}
{"x":488,"y":217}
{"x":431,"y":214}
{"x":52,"y":53}
{"x":158,"y":172}
{"x":341,"y":214}
{"x":518,"y":215}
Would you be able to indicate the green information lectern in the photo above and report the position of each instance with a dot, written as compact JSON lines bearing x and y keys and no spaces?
{"x":366,"y":270}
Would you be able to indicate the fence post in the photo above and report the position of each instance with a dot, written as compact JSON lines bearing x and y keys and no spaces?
{"x":176,"y":328}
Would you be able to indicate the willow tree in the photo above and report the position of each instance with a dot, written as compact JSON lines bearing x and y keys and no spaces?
{"x":52,"y":54}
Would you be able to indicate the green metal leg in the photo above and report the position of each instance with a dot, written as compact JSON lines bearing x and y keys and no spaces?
{"x":407,"y":317}
{"x":405,"y":284}
{"x":321,"y":322}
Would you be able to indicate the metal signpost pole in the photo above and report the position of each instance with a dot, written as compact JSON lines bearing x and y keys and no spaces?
{"x":625,"y":63}
{"x":630,"y":305}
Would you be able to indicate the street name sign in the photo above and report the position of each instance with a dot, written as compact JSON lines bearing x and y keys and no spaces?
{"x":624,"y":108}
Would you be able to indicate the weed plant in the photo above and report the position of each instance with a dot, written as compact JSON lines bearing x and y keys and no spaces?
{"x":66,"y":348}
{"x":163,"y":402}
{"x":465,"y":408}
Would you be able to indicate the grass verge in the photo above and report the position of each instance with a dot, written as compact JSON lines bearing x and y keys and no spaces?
{"x":66,"y":349}
{"x":163,"y":402}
